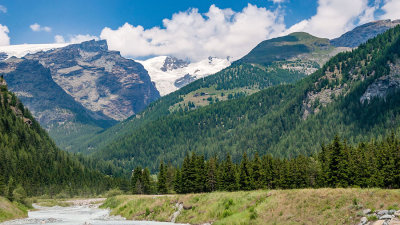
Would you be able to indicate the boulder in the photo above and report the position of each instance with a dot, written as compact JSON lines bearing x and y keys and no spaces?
{"x":397,"y":213}
{"x":386,"y":217}
{"x":382,"y":212}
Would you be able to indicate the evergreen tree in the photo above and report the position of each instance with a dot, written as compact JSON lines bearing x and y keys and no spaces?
{"x":245,"y":177}
{"x":162,"y":179}
{"x":146,"y":181}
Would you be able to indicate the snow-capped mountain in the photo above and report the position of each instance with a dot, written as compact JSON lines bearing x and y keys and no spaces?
{"x":24,"y":49}
{"x":170,"y":73}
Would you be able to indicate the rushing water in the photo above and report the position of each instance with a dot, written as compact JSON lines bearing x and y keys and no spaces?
{"x":76,"y":215}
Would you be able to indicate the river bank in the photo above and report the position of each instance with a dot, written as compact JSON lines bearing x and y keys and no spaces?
{"x":10,"y":210}
{"x":302,"y":206}
{"x":79,"y":211}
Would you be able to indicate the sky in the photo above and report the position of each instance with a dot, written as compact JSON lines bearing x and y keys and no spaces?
{"x":189,"y":29}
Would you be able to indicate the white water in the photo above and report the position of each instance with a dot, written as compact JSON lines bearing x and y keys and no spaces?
{"x":76,"y":215}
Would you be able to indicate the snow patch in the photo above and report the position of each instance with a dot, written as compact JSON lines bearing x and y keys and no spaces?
{"x":165,"y":81}
{"x":24,"y":49}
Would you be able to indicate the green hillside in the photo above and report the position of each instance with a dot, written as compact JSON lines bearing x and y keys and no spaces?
{"x":286,"y":47}
{"x":284,"y":120}
{"x":31,"y":163}
{"x":243,"y":78}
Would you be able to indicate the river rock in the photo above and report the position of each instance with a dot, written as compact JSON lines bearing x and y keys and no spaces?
{"x":382,"y":212}
{"x":363,"y":220}
{"x":386,"y":217}
{"x":397,"y":213}
{"x":392,"y":211}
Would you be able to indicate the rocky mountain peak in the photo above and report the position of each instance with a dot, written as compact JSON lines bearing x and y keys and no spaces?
{"x":173,"y":63}
{"x":91,"y":46}
{"x":363,"y":33}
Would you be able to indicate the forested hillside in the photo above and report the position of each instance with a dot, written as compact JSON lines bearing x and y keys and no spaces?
{"x":285,"y":120}
{"x":243,"y":78}
{"x":30,"y":162}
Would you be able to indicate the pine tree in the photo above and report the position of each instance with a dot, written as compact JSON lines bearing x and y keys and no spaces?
{"x":211,"y":180}
{"x":146,"y":181}
{"x":178,"y":181}
{"x":136,"y":180}
{"x":162,"y":180}
{"x":245,"y":176}
{"x":257,"y":172}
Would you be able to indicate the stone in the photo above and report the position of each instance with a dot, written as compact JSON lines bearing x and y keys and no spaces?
{"x":382,"y":212}
{"x":392,"y":211}
{"x":397,"y":213}
{"x":386,"y":217}
{"x":363,"y":220}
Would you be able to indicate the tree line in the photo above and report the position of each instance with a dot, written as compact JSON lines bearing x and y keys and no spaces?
{"x":338,"y":164}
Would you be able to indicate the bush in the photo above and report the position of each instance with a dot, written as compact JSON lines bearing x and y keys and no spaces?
{"x":19,"y":194}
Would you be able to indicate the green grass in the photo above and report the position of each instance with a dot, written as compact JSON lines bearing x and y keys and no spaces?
{"x":303,"y":206}
{"x":10,"y":211}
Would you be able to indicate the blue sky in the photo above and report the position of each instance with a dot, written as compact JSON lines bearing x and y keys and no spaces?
{"x":72,"y":17}
{"x":190,"y":29}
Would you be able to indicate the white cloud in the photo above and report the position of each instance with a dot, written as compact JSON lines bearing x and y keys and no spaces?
{"x":59,"y":39}
{"x":391,"y":9}
{"x":37,"y":27}
{"x":190,"y":34}
{"x":4,"y":38}
{"x":75,"y":38}
{"x":335,"y":17}
{"x":3,"y":9}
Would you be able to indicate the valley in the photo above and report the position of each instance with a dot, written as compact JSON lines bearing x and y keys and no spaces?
{"x":203,"y":120}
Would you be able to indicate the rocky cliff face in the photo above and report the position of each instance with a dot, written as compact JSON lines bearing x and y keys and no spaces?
{"x":364,"y":32}
{"x":78,"y":90}
{"x":101,"y":80}
{"x":48,"y":102}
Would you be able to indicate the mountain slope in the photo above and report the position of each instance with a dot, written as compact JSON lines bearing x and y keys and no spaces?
{"x":30,"y":159}
{"x":238,"y":80}
{"x":169,"y":73}
{"x":363,"y":33}
{"x":78,"y":90}
{"x":284,"y":120}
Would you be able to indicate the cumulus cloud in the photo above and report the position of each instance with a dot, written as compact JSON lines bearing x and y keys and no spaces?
{"x":192,"y":35}
{"x":391,"y":9}
{"x":4,"y":38}
{"x":75,"y":38}
{"x":3,"y":9}
{"x":335,"y":17}
{"x":37,"y":27}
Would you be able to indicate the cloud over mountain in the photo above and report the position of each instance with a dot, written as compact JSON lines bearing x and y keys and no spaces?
{"x":190,"y":34}
{"x":4,"y":38}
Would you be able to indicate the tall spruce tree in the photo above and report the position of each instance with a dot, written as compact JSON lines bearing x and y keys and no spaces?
{"x":245,"y":176}
{"x":162,"y":179}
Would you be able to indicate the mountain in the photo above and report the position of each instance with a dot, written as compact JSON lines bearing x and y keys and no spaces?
{"x":29,"y":159}
{"x":242,"y":78}
{"x":20,"y":51}
{"x":78,"y":90}
{"x":363,"y":33}
{"x":354,"y":94}
{"x":169,"y":73}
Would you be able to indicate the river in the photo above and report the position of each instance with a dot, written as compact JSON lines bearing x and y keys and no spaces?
{"x":86,"y":214}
